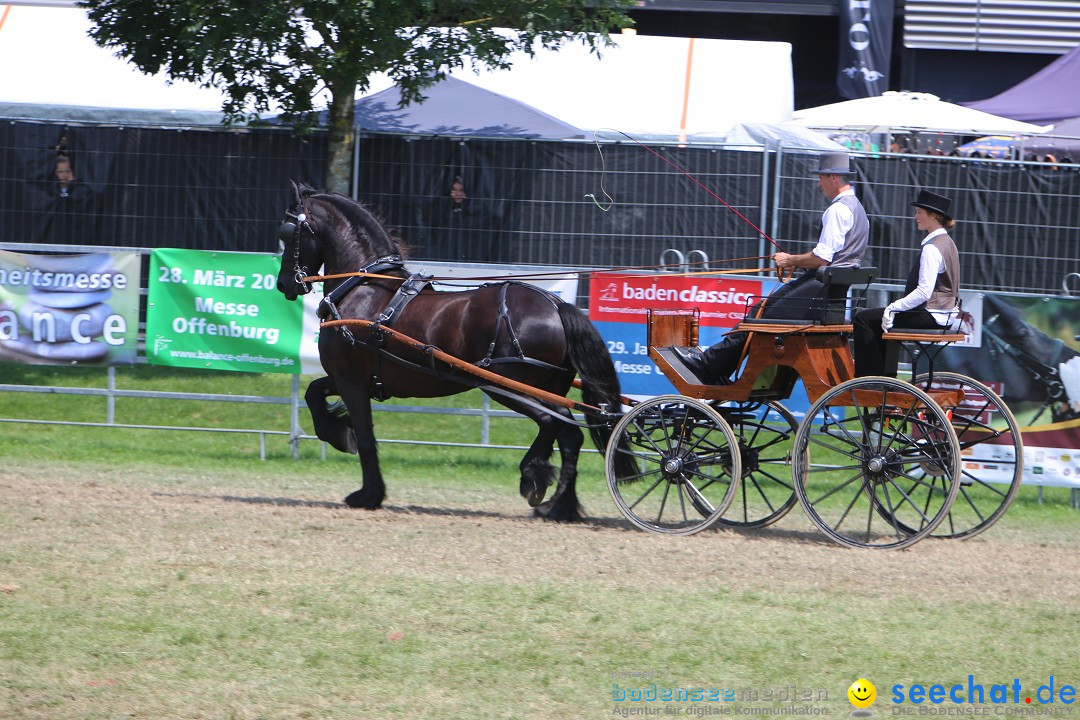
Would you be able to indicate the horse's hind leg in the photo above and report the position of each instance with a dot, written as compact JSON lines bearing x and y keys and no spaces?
{"x":537,"y":472}
{"x":563,"y":505}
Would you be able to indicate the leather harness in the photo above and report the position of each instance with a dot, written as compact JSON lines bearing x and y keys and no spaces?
{"x":406,"y":292}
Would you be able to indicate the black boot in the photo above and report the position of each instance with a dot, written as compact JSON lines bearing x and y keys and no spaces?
{"x":695,"y":361}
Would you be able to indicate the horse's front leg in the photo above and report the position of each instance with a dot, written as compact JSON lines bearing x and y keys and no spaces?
{"x":331,"y":421}
{"x":371,"y":494}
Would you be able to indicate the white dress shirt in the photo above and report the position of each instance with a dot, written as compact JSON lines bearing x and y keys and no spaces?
{"x":931,"y":264}
{"x":835,"y":224}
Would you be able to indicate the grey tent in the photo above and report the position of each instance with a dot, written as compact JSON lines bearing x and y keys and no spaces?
{"x":109,"y":115}
{"x":455,"y":107}
{"x":1049,"y":96}
{"x":1062,"y":143}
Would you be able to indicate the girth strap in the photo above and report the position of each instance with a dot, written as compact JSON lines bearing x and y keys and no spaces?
{"x":502,"y":320}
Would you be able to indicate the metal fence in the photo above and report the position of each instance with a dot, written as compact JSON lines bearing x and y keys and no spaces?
{"x":570,"y":204}
{"x":291,"y":404}
{"x":574,"y":204}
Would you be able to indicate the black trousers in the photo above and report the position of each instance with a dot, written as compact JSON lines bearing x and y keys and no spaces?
{"x":870,"y":349}
{"x":799,"y":300}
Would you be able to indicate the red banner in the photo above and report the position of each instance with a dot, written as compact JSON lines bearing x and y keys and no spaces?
{"x":722,"y":301}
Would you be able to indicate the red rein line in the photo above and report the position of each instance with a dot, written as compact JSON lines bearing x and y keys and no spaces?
{"x":706,"y":188}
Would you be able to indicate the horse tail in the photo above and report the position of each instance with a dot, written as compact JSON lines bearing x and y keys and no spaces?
{"x":599,"y":382}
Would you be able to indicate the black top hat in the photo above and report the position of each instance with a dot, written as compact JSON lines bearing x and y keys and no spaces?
{"x":834,"y":163}
{"x":932,"y":201}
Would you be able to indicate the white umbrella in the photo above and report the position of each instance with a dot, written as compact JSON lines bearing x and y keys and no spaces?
{"x":910,"y":111}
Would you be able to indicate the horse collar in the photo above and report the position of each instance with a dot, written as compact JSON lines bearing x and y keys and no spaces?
{"x":330,"y":301}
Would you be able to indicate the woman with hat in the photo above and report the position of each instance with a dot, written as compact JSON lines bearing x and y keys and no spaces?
{"x":931,"y":296}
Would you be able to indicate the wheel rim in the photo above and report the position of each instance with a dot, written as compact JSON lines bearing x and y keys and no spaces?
{"x":861,"y":453}
{"x":992,"y":452}
{"x":682,"y":454}
{"x":765,"y":433}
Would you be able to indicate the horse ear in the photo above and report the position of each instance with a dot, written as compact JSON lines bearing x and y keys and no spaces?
{"x":295,"y":192}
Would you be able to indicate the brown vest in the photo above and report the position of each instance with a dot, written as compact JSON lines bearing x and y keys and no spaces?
{"x":946,"y":292}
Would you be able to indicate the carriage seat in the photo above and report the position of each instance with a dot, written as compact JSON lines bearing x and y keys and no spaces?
{"x":961,"y":324}
{"x":838,"y":280}
{"x":925,"y":343}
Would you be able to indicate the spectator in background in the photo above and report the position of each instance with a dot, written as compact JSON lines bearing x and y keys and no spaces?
{"x":69,"y":206}
{"x":458,"y":195}
{"x":65,"y":176}
{"x":457,"y":225}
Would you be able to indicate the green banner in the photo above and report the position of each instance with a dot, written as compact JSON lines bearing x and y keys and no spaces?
{"x":220,"y":310}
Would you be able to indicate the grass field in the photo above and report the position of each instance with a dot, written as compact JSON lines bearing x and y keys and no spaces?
{"x":150,"y":574}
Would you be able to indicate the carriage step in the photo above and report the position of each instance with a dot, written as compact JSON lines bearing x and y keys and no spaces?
{"x":673,"y":359}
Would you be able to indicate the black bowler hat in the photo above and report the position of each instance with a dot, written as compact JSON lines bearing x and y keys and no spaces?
{"x":932,"y":201}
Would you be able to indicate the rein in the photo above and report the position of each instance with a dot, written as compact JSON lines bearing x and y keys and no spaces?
{"x":697,"y":182}
{"x":563,"y":273}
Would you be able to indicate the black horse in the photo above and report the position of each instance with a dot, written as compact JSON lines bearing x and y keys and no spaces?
{"x":1023,"y":358}
{"x":514,"y":329}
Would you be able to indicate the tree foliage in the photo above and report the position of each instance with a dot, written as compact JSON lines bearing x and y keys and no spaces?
{"x":289,"y":54}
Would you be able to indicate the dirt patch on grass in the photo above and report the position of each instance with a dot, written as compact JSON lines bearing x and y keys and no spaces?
{"x":492,"y":536}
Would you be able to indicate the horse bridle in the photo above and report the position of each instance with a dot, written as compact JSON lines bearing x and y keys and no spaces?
{"x":290,"y":230}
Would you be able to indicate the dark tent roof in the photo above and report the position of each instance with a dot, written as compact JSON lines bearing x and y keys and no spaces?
{"x":1049,"y":96}
{"x":455,"y":107}
{"x":108,"y":115}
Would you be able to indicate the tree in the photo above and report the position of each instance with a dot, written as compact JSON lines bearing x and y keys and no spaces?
{"x":291,"y":53}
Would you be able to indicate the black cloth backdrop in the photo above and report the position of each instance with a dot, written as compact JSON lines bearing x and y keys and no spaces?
{"x":152,"y":187}
{"x":528,"y":199}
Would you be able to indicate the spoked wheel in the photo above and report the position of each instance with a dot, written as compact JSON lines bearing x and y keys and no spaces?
{"x":877,"y":464}
{"x":672,"y":465}
{"x":993,"y":455}
{"x":765,"y":432}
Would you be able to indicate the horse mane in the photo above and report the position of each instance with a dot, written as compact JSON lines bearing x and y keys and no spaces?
{"x":362,"y":223}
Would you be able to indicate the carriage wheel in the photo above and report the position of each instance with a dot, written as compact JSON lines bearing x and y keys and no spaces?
{"x":671,"y":462}
{"x":765,"y":431}
{"x":877,"y":463}
{"x":993,"y":456}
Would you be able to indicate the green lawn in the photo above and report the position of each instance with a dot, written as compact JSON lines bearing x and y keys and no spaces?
{"x":153,"y":574}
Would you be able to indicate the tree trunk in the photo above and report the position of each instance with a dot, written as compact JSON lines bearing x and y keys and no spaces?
{"x":342,"y":140}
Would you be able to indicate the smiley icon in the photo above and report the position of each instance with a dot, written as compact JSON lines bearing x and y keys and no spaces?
{"x":862,"y":693}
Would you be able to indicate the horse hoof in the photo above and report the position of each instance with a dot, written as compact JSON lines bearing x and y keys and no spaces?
{"x":536,"y":497}
{"x":363,"y":501}
{"x":548,"y":511}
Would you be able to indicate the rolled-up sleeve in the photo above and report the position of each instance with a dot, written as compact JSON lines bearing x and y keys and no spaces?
{"x":835,"y":224}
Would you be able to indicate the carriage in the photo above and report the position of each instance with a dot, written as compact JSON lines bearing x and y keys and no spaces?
{"x":875,"y":462}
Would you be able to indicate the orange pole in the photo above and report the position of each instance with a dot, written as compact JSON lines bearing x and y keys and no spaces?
{"x":686,"y":91}
{"x":469,"y":367}
{"x":7,"y":9}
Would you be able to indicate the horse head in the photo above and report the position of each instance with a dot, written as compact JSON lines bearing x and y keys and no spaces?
{"x":301,"y":254}
{"x":332,"y":231}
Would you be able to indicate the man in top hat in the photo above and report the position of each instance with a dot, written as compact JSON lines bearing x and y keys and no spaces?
{"x":845,"y":232}
{"x":931,"y":297}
